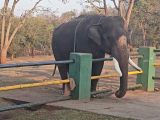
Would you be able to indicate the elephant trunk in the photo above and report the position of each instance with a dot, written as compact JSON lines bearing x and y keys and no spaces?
{"x":120,"y":55}
{"x":123,"y":80}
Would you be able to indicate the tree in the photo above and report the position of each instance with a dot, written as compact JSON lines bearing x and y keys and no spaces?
{"x":121,"y":8}
{"x":50,"y":18}
{"x":102,"y":10}
{"x":6,"y":36}
{"x":146,"y":21}
{"x":99,"y":8}
{"x":67,"y":16}
{"x":33,"y":38}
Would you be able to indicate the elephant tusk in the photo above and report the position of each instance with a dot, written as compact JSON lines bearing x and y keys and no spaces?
{"x":116,"y":66}
{"x":134,"y":65}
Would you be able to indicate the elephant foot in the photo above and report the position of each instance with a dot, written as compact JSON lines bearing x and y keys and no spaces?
{"x":94,"y":96}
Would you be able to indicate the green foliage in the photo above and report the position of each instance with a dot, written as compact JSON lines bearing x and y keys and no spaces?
{"x":145,"y":15}
{"x":88,"y":9}
{"x":35,"y":36}
{"x":66,"y":115}
{"x":36,"y":33}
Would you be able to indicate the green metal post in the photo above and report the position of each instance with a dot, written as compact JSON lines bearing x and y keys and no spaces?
{"x":80,"y":71}
{"x":146,"y":63}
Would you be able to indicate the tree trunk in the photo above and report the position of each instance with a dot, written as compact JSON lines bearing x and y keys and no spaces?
{"x":144,"y":38}
{"x":105,"y":8}
{"x":5,"y":39}
{"x":12,"y":56}
{"x":153,"y":43}
{"x":3,"y":56}
{"x":33,"y":53}
{"x":27,"y":52}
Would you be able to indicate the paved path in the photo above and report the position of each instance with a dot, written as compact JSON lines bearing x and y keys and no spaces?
{"x":136,"y":104}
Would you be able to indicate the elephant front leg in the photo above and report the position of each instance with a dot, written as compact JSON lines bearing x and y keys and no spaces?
{"x":96,"y":71}
{"x":94,"y":84}
{"x":63,"y":70}
{"x":93,"y":87}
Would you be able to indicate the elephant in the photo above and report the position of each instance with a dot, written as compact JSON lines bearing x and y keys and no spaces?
{"x":98,"y":35}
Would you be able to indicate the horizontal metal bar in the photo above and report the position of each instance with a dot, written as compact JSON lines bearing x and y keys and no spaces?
{"x":54,"y":62}
{"x":135,"y":72}
{"x":137,"y":56}
{"x":102,"y":91}
{"x":135,"y":86}
{"x":58,"y":82}
{"x":116,"y":75}
{"x":155,"y":77}
{"x":110,"y":59}
{"x":157,"y":54}
{"x":36,"y":63}
{"x":33,"y":85}
{"x":113,"y":90}
{"x":156,"y":64}
{"x":58,"y":99}
{"x":102,"y":59}
{"x":157,"y":50}
{"x":34,"y":103}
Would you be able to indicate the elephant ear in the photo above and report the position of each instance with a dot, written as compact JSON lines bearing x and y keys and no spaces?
{"x":94,"y":33}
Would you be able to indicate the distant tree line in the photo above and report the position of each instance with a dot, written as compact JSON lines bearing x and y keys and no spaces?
{"x":34,"y":37}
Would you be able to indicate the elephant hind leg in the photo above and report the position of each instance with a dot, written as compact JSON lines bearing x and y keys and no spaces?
{"x":63,"y":70}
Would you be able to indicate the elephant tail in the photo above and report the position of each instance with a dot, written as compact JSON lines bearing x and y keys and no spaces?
{"x":54,"y":70}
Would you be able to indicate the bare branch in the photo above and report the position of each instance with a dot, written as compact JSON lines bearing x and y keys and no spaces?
{"x":129,"y":11}
{"x":140,"y":24}
{"x":95,"y":7}
{"x":3,"y":22}
{"x":120,"y":8}
{"x":22,"y":22}
{"x":10,"y":20}
{"x":105,"y":8}
{"x":125,"y":8}
{"x":115,"y":5}
{"x":101,"y":8}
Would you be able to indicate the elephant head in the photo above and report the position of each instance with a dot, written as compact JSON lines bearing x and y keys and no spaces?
{"x":111,"y":36}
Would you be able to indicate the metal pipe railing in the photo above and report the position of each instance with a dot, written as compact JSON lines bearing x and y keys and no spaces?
{"x":102,"y":59}
{"x":27,"y":105}
{"x":158,"y":78}
{"x":58,"y":82}
{"x":157,"y":50}
{"x":35,"y":63}
{"x":33,"y":85}
{"x":137,"y":56}
{"x":55,"y":62}
{"x":156,"y":64}
{"x":113,"y":90}
{"x":115,"y":75}
{"x":110,"y":59}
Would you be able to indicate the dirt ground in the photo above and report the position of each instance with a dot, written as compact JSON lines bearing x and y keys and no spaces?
{"x":23,"y":75}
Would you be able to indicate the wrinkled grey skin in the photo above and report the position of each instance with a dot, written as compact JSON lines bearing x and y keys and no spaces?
{"x":97,"y":35}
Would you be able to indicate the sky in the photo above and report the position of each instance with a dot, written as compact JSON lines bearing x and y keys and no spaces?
{"x":23,"y":5}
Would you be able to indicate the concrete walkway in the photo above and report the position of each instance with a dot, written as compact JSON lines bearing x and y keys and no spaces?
{"x":136,"y":104}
